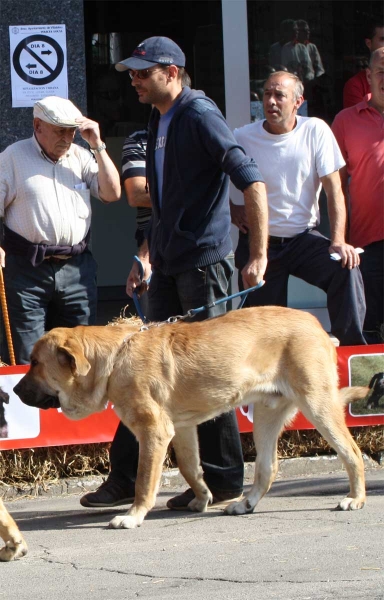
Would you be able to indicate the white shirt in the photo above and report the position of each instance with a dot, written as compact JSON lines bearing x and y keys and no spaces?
{"x":46,"y":201}
{"x":292,"y":164}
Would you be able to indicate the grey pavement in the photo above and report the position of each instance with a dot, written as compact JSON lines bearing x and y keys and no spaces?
{"x":295,"y":546}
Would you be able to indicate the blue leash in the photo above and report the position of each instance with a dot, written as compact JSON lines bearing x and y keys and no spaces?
{"x":194,"y":311}
{"x":243,"y":295}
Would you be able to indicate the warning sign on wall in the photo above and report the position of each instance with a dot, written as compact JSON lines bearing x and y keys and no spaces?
{"x":38,"y":63}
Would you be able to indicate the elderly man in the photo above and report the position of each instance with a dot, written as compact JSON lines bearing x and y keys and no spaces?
{"x":359,"y":132}
{"x":191,"y":154}
{"x":297,"y":155}
{"x":45,"y":187}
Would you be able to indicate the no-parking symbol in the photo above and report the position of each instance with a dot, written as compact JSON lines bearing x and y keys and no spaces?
{"x":38,"y":59}
{"x":38,"y":63}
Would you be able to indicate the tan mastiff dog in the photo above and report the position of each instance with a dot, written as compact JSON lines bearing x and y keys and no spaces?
{"x":165,"y":380}
{"x":15,"y":546}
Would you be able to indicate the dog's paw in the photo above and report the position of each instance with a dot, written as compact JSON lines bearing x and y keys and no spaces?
{"x":12,"y":551}
{"x":200,"y":505}
{"x":351,"y":504}
{"x":239,"y":508}
{"x":125,"y":522}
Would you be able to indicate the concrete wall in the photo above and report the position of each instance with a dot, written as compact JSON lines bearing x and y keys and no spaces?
{"x":16,"y":123}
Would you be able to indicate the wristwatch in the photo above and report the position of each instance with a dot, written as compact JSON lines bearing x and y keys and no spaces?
{"x":99,"y":148}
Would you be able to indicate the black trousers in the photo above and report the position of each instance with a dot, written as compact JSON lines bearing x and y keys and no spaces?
{"x":306,"y":256}
{"x":372,"y":270}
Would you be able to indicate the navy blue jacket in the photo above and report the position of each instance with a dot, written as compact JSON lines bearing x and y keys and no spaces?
{"x":192,"y":227}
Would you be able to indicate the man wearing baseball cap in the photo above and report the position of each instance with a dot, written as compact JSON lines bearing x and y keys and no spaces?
{"x":46,"y":183}
{"x":191,"y":156}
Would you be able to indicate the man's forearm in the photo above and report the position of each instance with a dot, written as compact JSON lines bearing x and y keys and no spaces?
{"x":337,"y":221}
{"x":337,"y":213}
{"x":137,"y":193}
{"x":108,"y":178}
{"x":256,"y":209}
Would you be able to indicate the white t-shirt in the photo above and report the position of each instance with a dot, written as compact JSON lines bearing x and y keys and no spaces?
{"x":292,"y":164}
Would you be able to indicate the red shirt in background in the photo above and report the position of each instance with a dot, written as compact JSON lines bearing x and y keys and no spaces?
{"x":355,"y":89}
{"x":359,"y":131}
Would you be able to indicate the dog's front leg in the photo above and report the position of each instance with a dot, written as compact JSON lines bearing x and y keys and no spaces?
{"x":15,"y":546}
{"x":186,"y":447}
{"x":153,"y":445}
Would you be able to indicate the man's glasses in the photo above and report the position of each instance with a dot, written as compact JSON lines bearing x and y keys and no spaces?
{"x":142,"y":73}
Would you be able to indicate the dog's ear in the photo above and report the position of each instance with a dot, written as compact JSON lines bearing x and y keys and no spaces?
{"x":71,"y":352}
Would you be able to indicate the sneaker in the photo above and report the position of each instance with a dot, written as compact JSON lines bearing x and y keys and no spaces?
{"x":109,"y":494}
{"x":181,"y":501}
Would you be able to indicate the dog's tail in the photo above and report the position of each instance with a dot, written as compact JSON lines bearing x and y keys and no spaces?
{"x":353,"y":393}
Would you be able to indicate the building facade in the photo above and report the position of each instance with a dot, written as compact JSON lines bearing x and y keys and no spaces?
{"x":230,"y":47}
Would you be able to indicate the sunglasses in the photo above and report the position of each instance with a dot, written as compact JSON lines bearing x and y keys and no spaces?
{"x":142,"y":73}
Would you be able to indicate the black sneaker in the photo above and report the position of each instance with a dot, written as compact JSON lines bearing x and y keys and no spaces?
{"x":220,"y":499}
{"x":109,"y":494}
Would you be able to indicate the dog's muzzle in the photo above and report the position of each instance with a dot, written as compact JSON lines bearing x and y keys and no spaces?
{"x":34,"y":397}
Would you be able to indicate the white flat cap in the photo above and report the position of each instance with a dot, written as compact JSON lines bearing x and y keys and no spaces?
{"x":57,"y":111}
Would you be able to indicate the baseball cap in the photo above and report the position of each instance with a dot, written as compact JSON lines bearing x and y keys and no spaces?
{"x":57,"y":111}
{"x":153,"y":51}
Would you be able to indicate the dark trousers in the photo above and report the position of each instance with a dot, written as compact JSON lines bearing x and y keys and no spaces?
{"x":306,"y":256}
{"x":52,"y":294}
{"x":220,"y":445}
{"x":372,"y":270}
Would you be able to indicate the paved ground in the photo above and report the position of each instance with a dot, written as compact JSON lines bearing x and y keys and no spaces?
{"x":295,"y":546}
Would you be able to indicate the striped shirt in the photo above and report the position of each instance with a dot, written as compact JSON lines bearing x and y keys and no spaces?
{"x":133,"y":165}
{"x":45,"y":201}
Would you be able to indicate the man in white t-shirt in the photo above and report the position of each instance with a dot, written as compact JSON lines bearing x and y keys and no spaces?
{"x":297,"y":156}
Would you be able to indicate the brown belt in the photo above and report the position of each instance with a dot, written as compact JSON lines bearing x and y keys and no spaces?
{"x":58,"y":258}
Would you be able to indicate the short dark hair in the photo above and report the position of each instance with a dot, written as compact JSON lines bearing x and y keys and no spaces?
{"x":301,"y":23}
{"x":185,"y":78}
{"x":371,"y":26}
{"x":182,"y":74}
{"x":287,"y":25}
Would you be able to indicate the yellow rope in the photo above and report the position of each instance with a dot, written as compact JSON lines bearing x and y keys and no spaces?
{"x":6,"y":318}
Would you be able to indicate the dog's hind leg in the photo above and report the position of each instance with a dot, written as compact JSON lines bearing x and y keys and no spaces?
{"x":268,"y":423}
{"x":154,"y":437}
{"x":186,"y":446}
{"x":15,"y":546}
{"x":329,"y":419}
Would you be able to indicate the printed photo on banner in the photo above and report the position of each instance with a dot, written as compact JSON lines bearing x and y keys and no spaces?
{"x":368,"y":370}
{"x":16,"y":419}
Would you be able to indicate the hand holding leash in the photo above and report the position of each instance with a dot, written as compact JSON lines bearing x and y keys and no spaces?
{"x":137,"y":285}
{"x":136,"y":281}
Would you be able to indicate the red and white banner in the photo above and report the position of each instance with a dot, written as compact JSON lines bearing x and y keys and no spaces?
{"x":24,"y":427}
